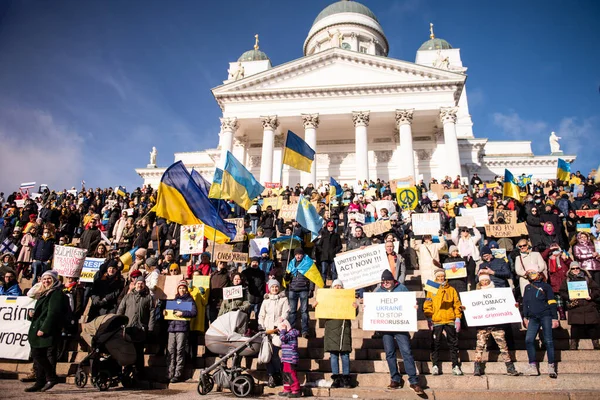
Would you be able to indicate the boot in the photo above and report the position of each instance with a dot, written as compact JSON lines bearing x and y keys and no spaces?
{"x":271,"y":381}
{"x":573,"y":344}
{"x":532,"y":369}
{"x":337,"y":382}
{"x":477,"y":369}
{"x":596,"y":344}
{"x":561,"y":313}
{"x":347,"y":381}
{"x":510,"y":369}
{"x":552,"y":371}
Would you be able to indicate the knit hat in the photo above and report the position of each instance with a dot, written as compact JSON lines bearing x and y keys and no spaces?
{"x":182,"y":282}
{"x":135,"y":274}
{"x":207,"y":254}
{"x":486,"y":250}
{"x":439,"y":271}
{"x":257,"y":259}
{"x":338,"y":282}
{"x":298,"y":250}
{"x":493,"y":244}
{"x":264,"y":250}
{"x":273,"y":282}
{"x":574,"y":264}
{"x":484,"y":276}
{"x":169,"y":251}
{"x":386,"y":275}
{"x":331,"y":223}
{"x":151,"y":262}
{"x":284,"y":324}
{"x":140,"y":279}
{"x":452,"y":249}
{"x":52,"y":273}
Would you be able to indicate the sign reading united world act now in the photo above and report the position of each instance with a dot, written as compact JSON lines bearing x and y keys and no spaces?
{"x":489,"y":307}
{"x":361,"y":268}
{"x":390,"y":311}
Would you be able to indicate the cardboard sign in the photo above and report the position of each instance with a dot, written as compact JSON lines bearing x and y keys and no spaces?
{"x":455,"y":197}
{"x":479,"y":214}
{"x":201,"y":281}
{"x":437,"y":189}
{"x":426,"y":223}
{"x":14,"y":329}
{"x":176,"y":305}
{"x":578,"y":290}
{"x":192,"y":239}
{"x":361,"y":268}
{"x":20,"y":203}
{"x":288,"y":211}
{"x":214,"y":248}
{"x":335,"y":304}
{"x":256,"y":245}
{"x":432,"y":196}
{"x":467,"y":221}
{"x":240,"y":232}
{"x":586,"y":213}
{"x":357,"y":216}
{"x":431,"y":287}
{"x":233,"y":292}
{"x":275,"y":202}
{"x":68,"y":261}
{"x":377,"y":228}
{"x":455,"y":270}
{"x":509,"y":216}
{"x":401,"y":182}
{"x":390,"y":312}
{"x":232,"y":257}
{"x":488,"y":307}
{"x":166,"y":288}
{"x":506,"y":230}
{"x":90,"y":267}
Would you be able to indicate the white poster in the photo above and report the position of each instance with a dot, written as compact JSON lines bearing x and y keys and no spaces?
{"x":14,"y":328}
{"x":358,"y":217}
{"x":426,"y":224}
{"x":361,"y":268}
{"x":192,"y":239}
{"x":256,"y":245}
{"x":479,"y":214}
{"x":90,"y":267}
{"x":233,"y":292}
{"x":68,"y":261}
{"x":488,"y":307}
{"x":390,"y":312}
{"x":387,"y":204}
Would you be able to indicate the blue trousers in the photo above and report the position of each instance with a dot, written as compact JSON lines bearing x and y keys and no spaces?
{"x":389,"y":345}
{"x":293,"y":298}
{"x":38,"y":268}
{"x":533,"y":328}
{"x":334,"y":357}
{"x":328,"y":266}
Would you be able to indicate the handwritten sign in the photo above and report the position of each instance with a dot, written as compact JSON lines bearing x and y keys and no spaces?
{"x":377,"y":228}
{"x":490,"y":307}
{"x":90,"y":267}
{"x":509,"y":216}
{"x":68,"y":261}
{"x":426,"y":224}
{"x":467,"y":221}
{"x":390,"y":312}
{"x":14,"y":329}
{"x":232,"y":257}
{"x":499,"y":253}
{"x":272,"y":185}
{"x":216,"y":248}
{"x":335,"y":304}
{"x":586,"y":213}
{"x":401,"y":182}
{"x":192,"y":239}
{"x":455,"y":270}
{"x":578,"y":290}
{"x":240,"y":232}
{"x":506,"y":230}
{"x":288,"y":211}
{"x":201,"y":281}
{"x":233,"y":292}
{"x":479,"y":214}
{"x":358,"y":217}
{"x":361,"y":268}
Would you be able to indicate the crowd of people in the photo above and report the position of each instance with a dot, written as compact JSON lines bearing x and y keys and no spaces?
{"x":561,"y":246}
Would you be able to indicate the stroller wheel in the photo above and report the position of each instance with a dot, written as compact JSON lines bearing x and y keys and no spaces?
{"x":205,"y":385}
{"x":103,"y":380}
{"x":242,"y":386}
{"x":81,"y":378}
{"x":128,"y":379}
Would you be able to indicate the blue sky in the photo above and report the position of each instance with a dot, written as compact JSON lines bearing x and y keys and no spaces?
{"x":88,"y":87}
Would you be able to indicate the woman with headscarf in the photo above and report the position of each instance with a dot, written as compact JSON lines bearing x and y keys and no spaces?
{"x":549,"y":236}
{"x":45,"y":329}
{"x":534,"y":227}
{"x":585,"y":253}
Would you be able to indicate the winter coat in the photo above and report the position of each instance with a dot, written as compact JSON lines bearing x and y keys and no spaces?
{"x":530,"y":261}
{"x":48,"y":317}
{"x":534,"y":228}
{"x":218,"y":280}
{"x":356,"y":243}
{"x":329,"y":245}
{"x":468,"y":245}
{"x":584,"y":254}
{"x":444,"y":306}
{"x":289,"y":346}
{"x":338,"y":335}
{"x":117,"y":231}
{"x":428,"y":253}
{"x":274,"y":306}
{"x":256,"y":284}
{"x":581,"y":311}
{"x":11,"y":290}
{"x":43,"y":249}
{"x":90,"y":240}
{"x":183,"y":325}
{"x":139,"y":308}
{"x":557,"y":269}
{"x":399,"y":267}
{"x":26,"y":253}
{"x":236,"y":304}
{"x":501,"y":271}
{"x":201,"y":299}
{"x":538,"y":300}
{"x":105,"y":293}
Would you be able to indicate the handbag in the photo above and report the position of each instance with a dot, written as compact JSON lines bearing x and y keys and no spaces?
{"x":266,"y":350}
{"x":435,"y":262}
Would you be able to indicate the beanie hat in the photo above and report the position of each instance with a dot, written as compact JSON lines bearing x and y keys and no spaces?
{"x":439,"y":271}
{"x":182,"y":282}
{"x":207,"y":254}
{"x":257,"y":259}
{"x":52,"y":273}
{"x":331,"y":223}
{"x":140,"y":279}
{"x":574,"y":264}
{"x":140,"y":253}
{"x":169,"y":251}
{"x":486,"y":250}
{"x":338,"y":282}
{"x":452,"y":249}
{"x":264,"y":250}
{"x":484,"y":276}
{"x":493,"y":244}
{"x":134,"y":274}
{"x":387,"y":275}
{"x":273,"y":282}
{"x":151,"y":262}
{"x":298,"y":250}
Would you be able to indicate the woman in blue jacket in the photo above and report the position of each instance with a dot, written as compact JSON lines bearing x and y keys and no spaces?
{"x":179,"y":330}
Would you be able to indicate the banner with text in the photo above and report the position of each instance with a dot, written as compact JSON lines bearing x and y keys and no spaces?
{"x":233,"y":292}
{"x":361,"y":268}
{"x":90,"y":267}
{"x":68,"y":261}
{"x":377,"y":228}
{"x":489,"y":307}
{"x":335,"y":304}
{"x":506,"y":230}
{"x":426,"y":224}
{"x":240,"y":232}
{"x":14,"y":328}
{"x":390,"y":312}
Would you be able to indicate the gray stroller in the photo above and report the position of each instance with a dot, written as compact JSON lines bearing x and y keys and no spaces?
{"x":223,"y":338}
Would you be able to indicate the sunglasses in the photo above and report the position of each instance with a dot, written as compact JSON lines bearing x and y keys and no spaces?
{"x":575,"y":268}
{"x":522,"y":245}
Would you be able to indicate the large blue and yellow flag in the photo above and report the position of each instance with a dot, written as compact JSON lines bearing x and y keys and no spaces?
{"x":286,"y":242}
{"x":335,"y":190}
{"x":308,"y":268}
{"x":220,"y":205}
{"x":237,"y":184}
{"x":181,"y":200}
{"x":127,"y":259}
{"x":297,"y":153}
{"x":511,"y":186}
{"x":563,"y":170}
{"x":308,"y":217}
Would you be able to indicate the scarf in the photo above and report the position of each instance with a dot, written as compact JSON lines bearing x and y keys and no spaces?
{"x":553,"y":265}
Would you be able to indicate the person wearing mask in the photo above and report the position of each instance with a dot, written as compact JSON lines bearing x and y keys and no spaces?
{"x":179,"y":331}
{"x":497,"y":269}
{"x":539,"y":311}
{"x":300,"y":289}
{"x":585,"y":253}
{"x":396,"y":262}
{"x":256,"y":280}
{"x":583,"y":313}
{"x":10,"y":286}
{"x":329,"y":245}
{"x":218,"y":280}
{"x":389,"y":284}
{"x":558,"y":267}
{"x":43,"y":251}
{"x":528,"y":260}
{"x":107,"y":286}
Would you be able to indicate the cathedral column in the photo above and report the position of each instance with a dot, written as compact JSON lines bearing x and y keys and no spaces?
{"x":311,"y":123}
{"x":270,"y":124}
{"x":228,"y":128}
{"x":361,"y":121}
{"x":404,"y":120}
{"x":448,"y":118}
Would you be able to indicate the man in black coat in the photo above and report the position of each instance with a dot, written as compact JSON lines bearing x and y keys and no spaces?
{"x":256,"y":280}
{"x":329,"y":246}
{"x":91,"y":237}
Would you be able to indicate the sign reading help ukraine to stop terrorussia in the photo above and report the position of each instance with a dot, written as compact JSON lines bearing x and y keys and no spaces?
{"x":14,"y":328}
{"x":390,"y":312}
{"x":490,"y":307}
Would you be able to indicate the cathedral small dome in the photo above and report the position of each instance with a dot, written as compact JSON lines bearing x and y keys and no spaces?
{"x":435,"y":44}
{"x":253,"y":55}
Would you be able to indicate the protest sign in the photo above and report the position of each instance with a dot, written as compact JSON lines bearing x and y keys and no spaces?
{"x":407,"y":197}
{"x":597,"y":246}
{"x":437,"y":189}
{"x":275,"y":202}
{"x":509,"y":216}
{"x":20,"y":203}
{"x":192,"y":239}
{"x":467,"y":221}
{"x":431,"y":287}
{"x":506,"y":230}
{"x":377,"y":228}
{"x":432,"y":196}
{"x":166,"y":287}
{"x":401,"y":183}
{"x":490,"y":307}
{"x":358,"y":217}
{"x":68,"y":261}
{"x":90,"y":267}
{"x":372,"y":193}
{"x":584,"y":227}
{"x":586,"y":213}
{"x":578,"y":290}
{"x":176,"y":305}
{"x":288,"y":211}
{"x":14,"y":328}
{"x":240,"y":232}
{"x":479,"y":214}
{"x":129,"y":211}
{"x":499,"y":253}
{"x":361,"y":268}
{"x":426,"y":224}
{"x":335,"y":304}
{"x":272,"y":185}
{"x":201,"y":281}
{"x":455,"y":270}
{"x":455,"y":197}
{"x":578,"y":190}
{"x":231,"y":256}
{"x":256,"y":245}
{"x":214,"y":248}
{"x":233,"y":292}
{"x":390,"y":312}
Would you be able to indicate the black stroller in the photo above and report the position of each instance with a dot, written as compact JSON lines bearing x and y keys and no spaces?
{"x":223,"y":338}
{"x":112,"y":355}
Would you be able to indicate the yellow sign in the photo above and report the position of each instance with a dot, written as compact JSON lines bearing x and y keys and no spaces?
{"x":407,"y":197}
{"x":335,"y":304}
{"x":201,"y":281}
{"x":170,"y":316}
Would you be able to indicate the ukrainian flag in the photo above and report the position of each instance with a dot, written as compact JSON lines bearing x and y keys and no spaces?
{"x":308,"y":217}
{"x":180,"y":200}
{"x":220,"y":205}
{"x":563,"y":171}
{"x":286,"y":242}
{"x":431,"y":287}
{"x":308,"y":268}
{"x":215,"y":191}
{"x":121,"y":191}
{"x":335,"y":190}
{"x":511,"y":186}
{"x":237,"y":184}
{"x":297,"y":153}
{"x":127,"y":259}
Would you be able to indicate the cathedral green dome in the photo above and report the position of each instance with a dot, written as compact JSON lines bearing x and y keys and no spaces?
{"x":253,"y":55}
{"x":345,"y":6}
{"x":435,"y":44}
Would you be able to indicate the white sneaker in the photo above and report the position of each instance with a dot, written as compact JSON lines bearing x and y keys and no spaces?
{"x":531,"y":370}
{"x":457,"y":371}
{"x":435,"y":370}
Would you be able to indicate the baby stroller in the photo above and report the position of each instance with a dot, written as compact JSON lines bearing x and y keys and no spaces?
{"x":112,"y":354}
{"x":223,"y":338}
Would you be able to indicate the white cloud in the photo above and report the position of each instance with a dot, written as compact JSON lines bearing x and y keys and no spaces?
{"x":576,"y":133}
{"x":512,"y":124}
{"x":35,"y":147}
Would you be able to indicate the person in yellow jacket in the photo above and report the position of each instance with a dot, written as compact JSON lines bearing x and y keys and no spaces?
{"x":197,"y":324}
{"x":443,"y":311}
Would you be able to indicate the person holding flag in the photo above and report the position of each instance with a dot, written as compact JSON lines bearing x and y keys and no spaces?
{"x":563,"y":170}
{"x":510,"y":186}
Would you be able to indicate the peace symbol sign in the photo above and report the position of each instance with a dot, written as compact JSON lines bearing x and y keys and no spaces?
{"x":407,"y":197}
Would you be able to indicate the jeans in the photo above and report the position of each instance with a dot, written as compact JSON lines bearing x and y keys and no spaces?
{"x":254,"y":225}
{"x":38,"y":268}
{"x":403,"y":340}
{"x":328,"y":267}
{"x":256,"y":308}
{"x":545,"y":322}
{"x":274,"y":366}
{"x":293,"y":298}
{"x":334,"y":357}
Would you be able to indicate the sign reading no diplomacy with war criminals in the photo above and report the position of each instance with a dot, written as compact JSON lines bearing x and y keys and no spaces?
{"x":361,"y":268}
{"x":490,"y":307}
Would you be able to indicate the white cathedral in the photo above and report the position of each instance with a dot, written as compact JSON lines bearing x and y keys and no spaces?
{"x":366,"y":115}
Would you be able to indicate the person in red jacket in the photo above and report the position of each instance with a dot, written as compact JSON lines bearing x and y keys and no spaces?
{"x":204,"y":267}
{"x":558,"y":266}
